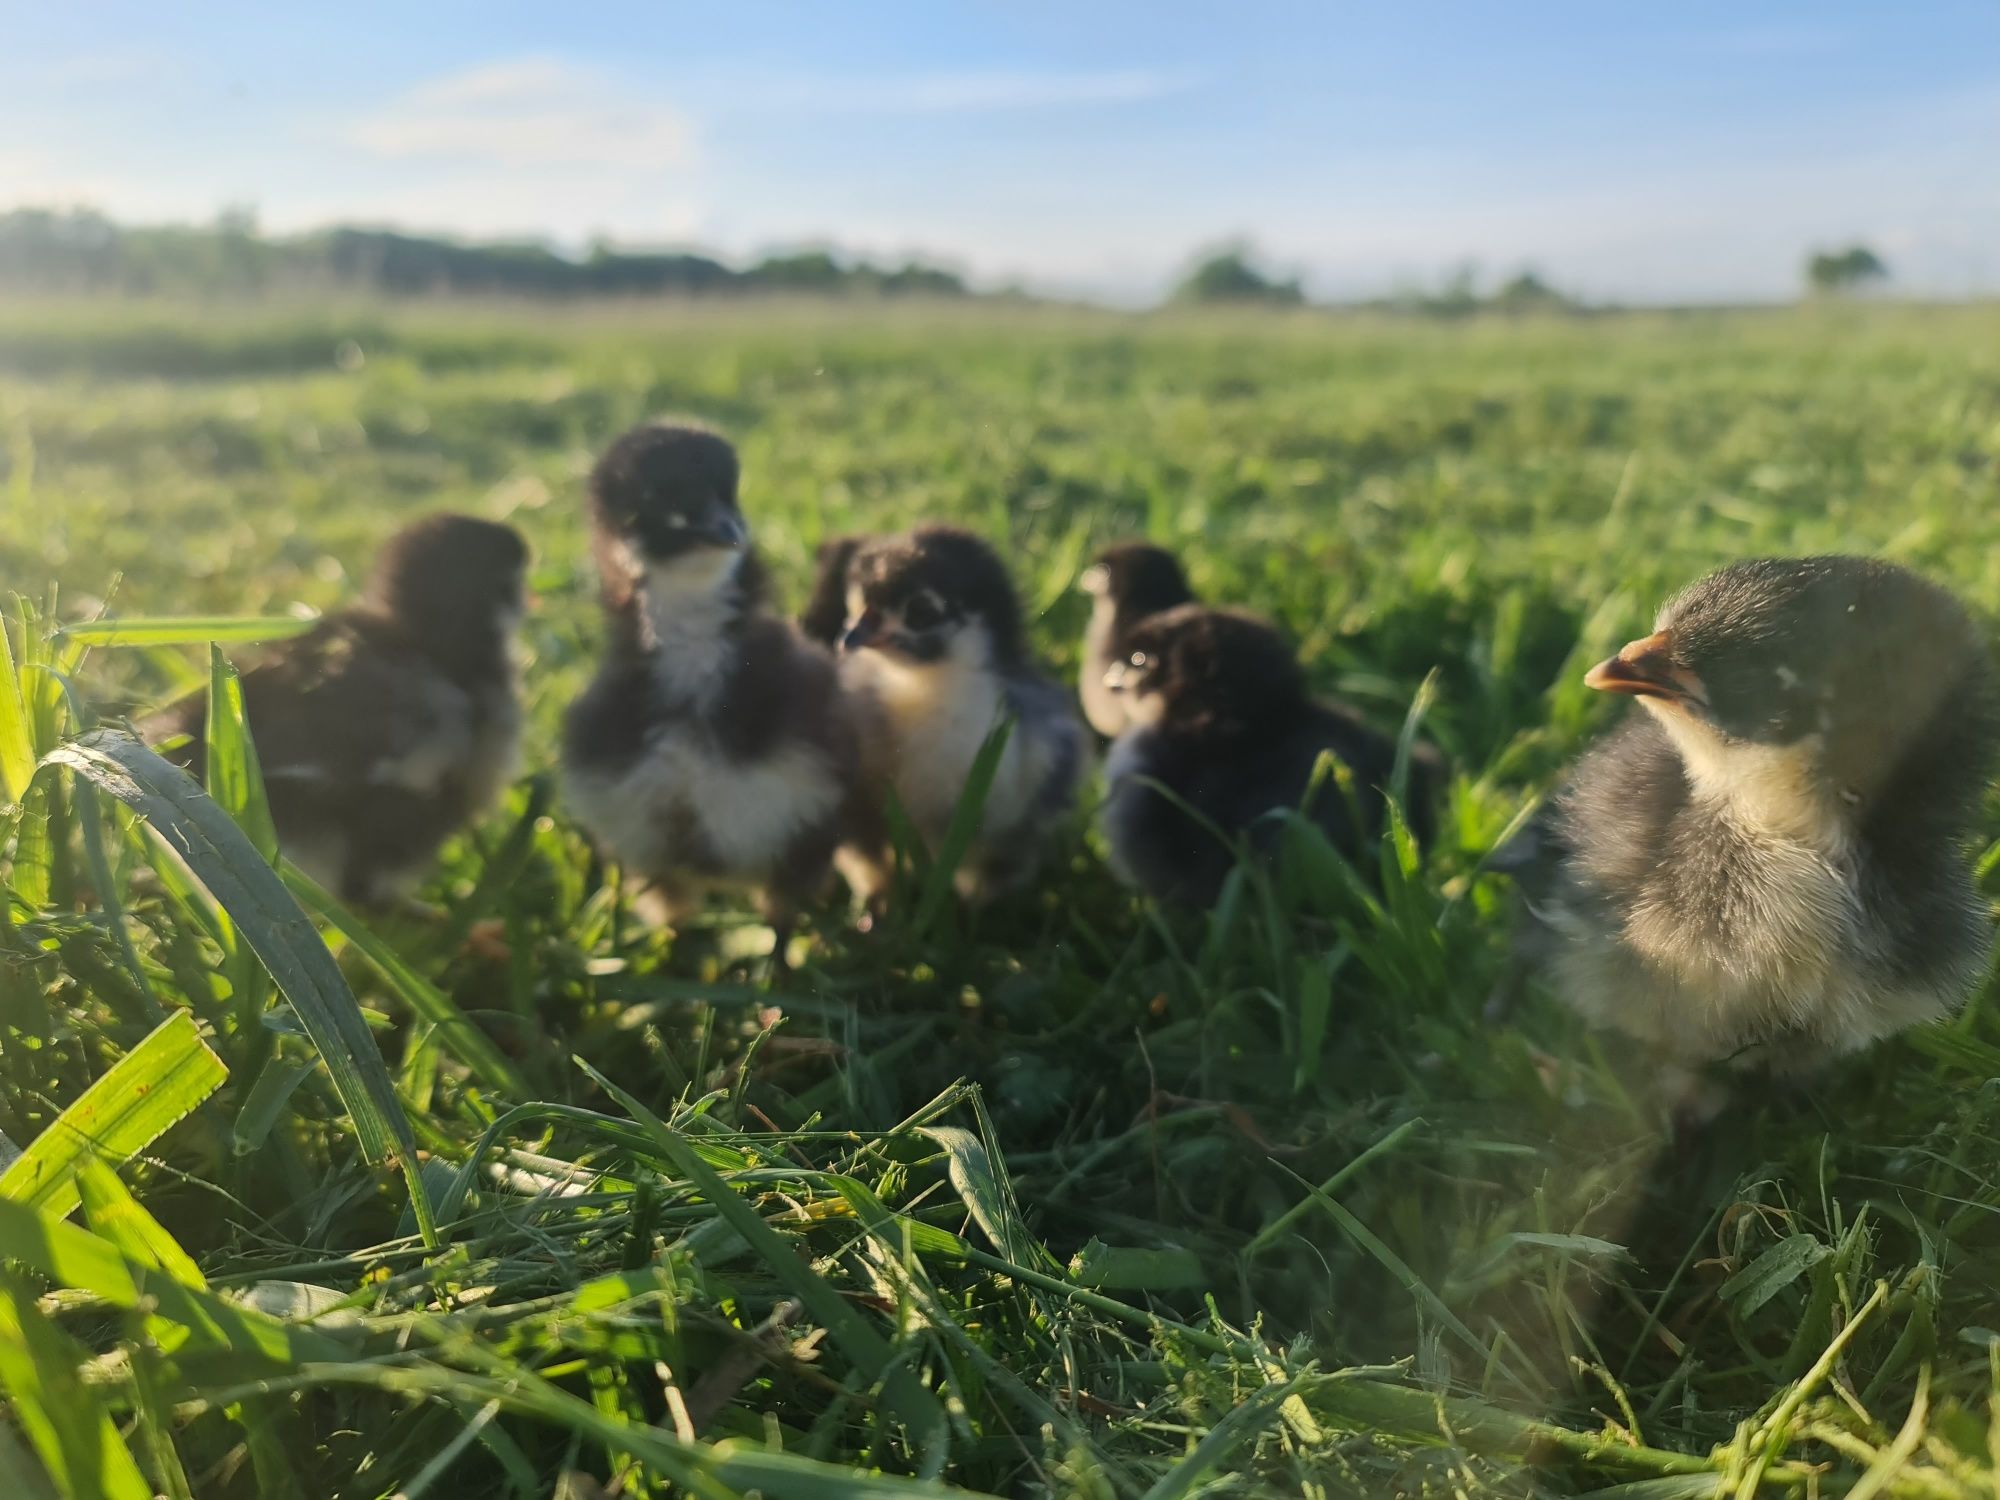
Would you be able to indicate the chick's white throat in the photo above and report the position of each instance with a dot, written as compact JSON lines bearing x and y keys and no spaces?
{"x":688,"y":609}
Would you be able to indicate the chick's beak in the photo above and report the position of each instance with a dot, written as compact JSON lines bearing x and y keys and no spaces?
{"x":725,"y":530}
{"x":1646,"y":669}
{"x":1115,"y":675}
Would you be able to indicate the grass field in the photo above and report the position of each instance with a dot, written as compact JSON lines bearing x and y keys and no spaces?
{"x":1071,"y":1197}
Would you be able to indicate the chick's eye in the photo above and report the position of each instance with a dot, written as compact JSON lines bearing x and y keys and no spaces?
{"x":922,"y":613}
{"x":1140,"y":660}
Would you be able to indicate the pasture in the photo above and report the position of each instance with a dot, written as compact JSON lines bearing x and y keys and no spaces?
{"x":1069,"y":1197}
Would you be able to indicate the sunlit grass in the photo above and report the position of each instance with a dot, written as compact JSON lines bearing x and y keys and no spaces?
{"x":1067,"y":1197}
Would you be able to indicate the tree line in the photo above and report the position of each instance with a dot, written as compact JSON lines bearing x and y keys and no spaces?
{"x":82,"y":251}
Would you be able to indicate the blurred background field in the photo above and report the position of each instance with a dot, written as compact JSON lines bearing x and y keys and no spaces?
{"x":1374,"y":482}
{"x":1302,"y":1221}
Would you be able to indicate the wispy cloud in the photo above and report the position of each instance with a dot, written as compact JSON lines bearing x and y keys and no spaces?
{"x":527,"y":112}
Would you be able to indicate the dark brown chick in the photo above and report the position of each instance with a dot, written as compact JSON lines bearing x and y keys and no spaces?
{"x":386,"y":727}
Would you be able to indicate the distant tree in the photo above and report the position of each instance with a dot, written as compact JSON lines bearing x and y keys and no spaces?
{"x":915,"y":279}
{"x":807,"y":271}
{"x":54,"y":250}
{"x":1837,"y":271}
{"x":1528,"y":293}
{"x":1228,"y":276}
{"x":624,"y":273}
{"x":1459,"y":296}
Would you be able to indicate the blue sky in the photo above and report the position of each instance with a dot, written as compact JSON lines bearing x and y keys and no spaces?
{"x":1638,"y":152}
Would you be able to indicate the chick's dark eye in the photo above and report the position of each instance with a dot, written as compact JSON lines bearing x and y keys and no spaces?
{"x":923,"y":613}
{"x":1139,"y":659}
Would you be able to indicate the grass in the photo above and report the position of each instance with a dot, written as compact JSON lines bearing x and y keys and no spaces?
{"x":1071,"y":1197}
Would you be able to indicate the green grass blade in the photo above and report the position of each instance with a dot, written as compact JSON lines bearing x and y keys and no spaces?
{"x":979,"y":1175}
{"x":225,"y":861}
{"x":91,"y":817}
{"x":1279,"y":1227}
{"x":146,"y":1092}
{"x":1136,"y":1268}
{"x":33,"y":874}
{"x":1773,"y":1271}
{"x":17,"y":738}
{"x":720,"y":1471}
{"x":23,"y":1477}
{"x":906,"y":1395}
{"x":1421,"y":704}
{"x":115,"y":1215}
{"x":234,"y":777}
{"x":61,"y":1415}
{"x":1313,"y":984}
{"x":153,"y":1432}
{"x":73,"y":1257}
{"x":1238,"y":1427}
{"x":959,"y":834}
{"x":187,"y":630}
{"x":456,"y":1032}
{"x":987,"y":1195}
{"x":266,"y":1102}
{"x":1393,"y":1263}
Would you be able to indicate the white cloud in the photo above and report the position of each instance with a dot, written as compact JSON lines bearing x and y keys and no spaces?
{"x":528,"y":112}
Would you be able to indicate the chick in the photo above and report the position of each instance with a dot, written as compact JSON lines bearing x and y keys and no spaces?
{"x":1221,"y":718}
{"x":1127,"y":583}
{"x":715,"y":746}
{"x":1767,"y":862}
{"x":930,"y":633}
{"x":387,"y":726}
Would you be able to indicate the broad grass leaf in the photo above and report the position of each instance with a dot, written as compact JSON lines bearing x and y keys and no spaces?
{"x":987,"y":1194}
{"x":17,"y":736}
{"x":1136,"y":1268}
{"x":117,"y":1216}
{"x":225,"y":861}
{"x":146,"y":1092}
{"x":73,"y":1257}
{"x":266,"y":1102}
{"x":1773,"y":1271}
{"x":66,"y":1421}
